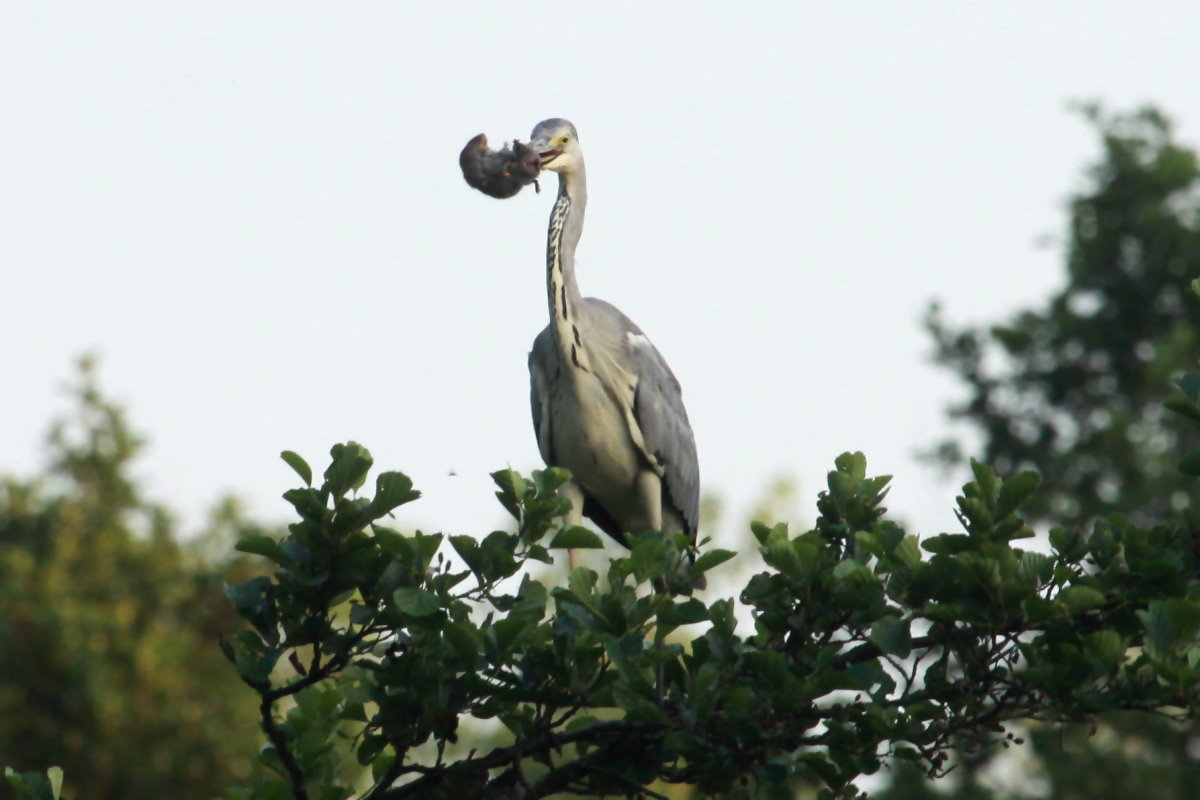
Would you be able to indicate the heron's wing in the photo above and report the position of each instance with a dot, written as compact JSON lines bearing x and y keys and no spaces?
{"x":644,"y":384}
{"x":655,"y":403}
{"x":541,"y":369}
{"x":666,"y":432}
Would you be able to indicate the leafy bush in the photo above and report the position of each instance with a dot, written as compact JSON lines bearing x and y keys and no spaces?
{"x":856,"y":646}
{"x":109,"y":617}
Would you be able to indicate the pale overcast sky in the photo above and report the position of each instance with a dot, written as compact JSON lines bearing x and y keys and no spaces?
{"x":253,"y":213}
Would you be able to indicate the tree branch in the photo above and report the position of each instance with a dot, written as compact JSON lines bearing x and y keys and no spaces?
{"x":295,"y":774}
{"x":504,"y":756}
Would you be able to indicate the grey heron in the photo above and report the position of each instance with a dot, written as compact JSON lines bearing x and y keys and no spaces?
{"x":605,"y":404}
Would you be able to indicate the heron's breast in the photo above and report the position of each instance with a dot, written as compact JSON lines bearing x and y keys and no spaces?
{"x":591,"y":438}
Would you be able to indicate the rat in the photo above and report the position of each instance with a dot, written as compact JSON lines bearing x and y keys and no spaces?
{"x":499,"y":173}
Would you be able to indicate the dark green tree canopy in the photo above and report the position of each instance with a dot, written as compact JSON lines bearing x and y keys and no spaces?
{"x":109,"y":622}
{"x":853,"y":646}
{"x":1074,"y":390}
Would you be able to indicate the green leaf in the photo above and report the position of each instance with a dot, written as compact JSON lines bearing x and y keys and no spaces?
{"x":28,"y":785}
{"x":34,"y":785}
{"x":711,"y":558}
{"x":1015,"y":491}
{"x":1185,"y":406}
{"x":637,"y":708}
{"x":1066,"y":542}
{"x":867,"y":544}
{"x":891,"y":635}
{"x":582,"y":583}
{"x":427,"y":545}
{"x":1106,"y":647}
{"x":1077,"y":599}
{"x":687,"y":612}
{"x":512,"y":490}
{"x":392,"y":490}
{"x":417,"y":602}
{"x":393,"y":542}
{"x":854,"y":464}
{"x":576,"y":538}
{"x":256,"y":604}
{"x":949,"y":543}
{"x":648,"y":558}
{"x":468,"y":550}
{"x":985,"y":477}
{"x":531,"y":601}
{"x":261,"y":545}
{"x":504,"y":636}
{"x":549,"y":480}
{"x":349,"y":468}
{"x":465,"y":640}
{"x":55,"y":774}
{"x":1171,"y":623}
{"x":381,"y":764}
{"x":820,"y":766}
{"x":908,"y":551}
{"x":370,"y":746}
{"x":361,"y":614}
{"x":496,"y":555}
{"x":846,"y":568}
{"x":1021,"y":532}
{"x":1189,"y":384}
{"x":1035,"y":567}
{"x":1190,"y":463}
{"x":307,"y":502}
{"x":539,"y":553}
{"x":855,"y":572}
{"x":761,"y":530}
{"x":783,"y":554}
{"x":254,"y":660}
{"x":298,"y":464}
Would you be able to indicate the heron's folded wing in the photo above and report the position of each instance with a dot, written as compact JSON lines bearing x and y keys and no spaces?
{"x":666,"y":432}
{"x":541,"y":361}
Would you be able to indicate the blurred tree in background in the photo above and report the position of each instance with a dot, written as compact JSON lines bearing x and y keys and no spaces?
{"x":1075,"y":390}
{"x":109,"y":624}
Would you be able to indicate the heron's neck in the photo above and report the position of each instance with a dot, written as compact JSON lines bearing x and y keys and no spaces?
{"x":562,"y":291}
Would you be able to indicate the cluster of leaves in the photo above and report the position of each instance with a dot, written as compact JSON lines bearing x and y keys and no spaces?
{"x":35,"y":785}
{"x":1072,"y":387}
{"x":865,"y":644}
{"x":107,"y":662}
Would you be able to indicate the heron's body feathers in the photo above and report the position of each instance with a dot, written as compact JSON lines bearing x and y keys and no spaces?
{"x":627,"y":417}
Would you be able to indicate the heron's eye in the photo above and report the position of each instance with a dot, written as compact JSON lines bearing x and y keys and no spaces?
{"x":566,"y":139}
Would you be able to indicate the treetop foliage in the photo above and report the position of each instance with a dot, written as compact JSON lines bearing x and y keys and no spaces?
{"x":862,"y":644}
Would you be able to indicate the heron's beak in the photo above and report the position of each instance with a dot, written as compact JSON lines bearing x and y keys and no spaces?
{"x":545,"y":152}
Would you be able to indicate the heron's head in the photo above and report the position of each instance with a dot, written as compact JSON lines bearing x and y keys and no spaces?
{"x":556,"y":141}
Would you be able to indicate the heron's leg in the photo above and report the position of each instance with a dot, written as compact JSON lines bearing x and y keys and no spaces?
{"x":574,"y":493}
{"x":649,"y":487}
